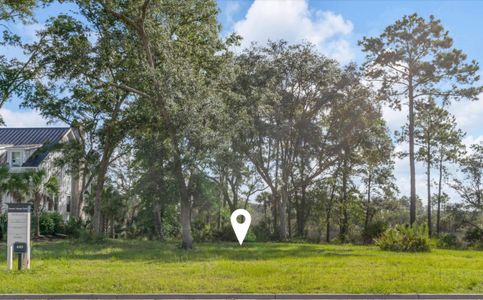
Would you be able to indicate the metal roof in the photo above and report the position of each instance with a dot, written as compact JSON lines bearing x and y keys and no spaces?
{"x":31,"y":136}
{"x":36,"y":158}
{"x":46,"y":137}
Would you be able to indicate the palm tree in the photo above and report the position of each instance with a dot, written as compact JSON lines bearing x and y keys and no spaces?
{"x":16,"y":185}
{"x":39,"y":189}
{"x":51,"y":188}
{"x":4,"y":176}
{"x":36,"y":180}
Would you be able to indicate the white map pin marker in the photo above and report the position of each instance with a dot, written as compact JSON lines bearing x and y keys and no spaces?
{"x":240,"y":229}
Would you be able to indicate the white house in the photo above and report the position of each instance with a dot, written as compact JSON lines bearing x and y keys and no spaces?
{"x":23,"y":149}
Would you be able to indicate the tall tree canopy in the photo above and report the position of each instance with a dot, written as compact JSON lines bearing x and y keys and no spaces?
{"x":171,"y":56}
{"x":15,"y":73}
{"x":413,"y":59}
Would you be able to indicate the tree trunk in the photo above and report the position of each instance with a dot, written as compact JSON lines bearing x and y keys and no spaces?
{"x":412,"y":167}
{"x":265,"y":214}
{"x":234,"y":191}
{"x":275,"y":208}
{"x":218,"y":217}
{"x":37,"y":200}
{"x":105,"y":224}
{"x":298,"y":215}
{"x":428,"y":173}
{"x":79,"y":204}
{"x":301,"y":205}
{"x":187,"y":238}
{"x":97,"y":225}
{"x":438,"y":213}
{"x":327,"y":224}
{"x":157,"y":221}
{"x":289,"y":218}
{"x":283,"y":214}
{"x":77,"y":214}
{"x":344,"y":224}
{"x":366,"y":219}
{"x":74,"y":197}
{"x":328,"y":214}
{"x":301,"y":213}
{"x":113,"y":228}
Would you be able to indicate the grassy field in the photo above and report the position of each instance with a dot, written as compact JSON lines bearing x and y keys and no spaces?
{"x":155,"y":267}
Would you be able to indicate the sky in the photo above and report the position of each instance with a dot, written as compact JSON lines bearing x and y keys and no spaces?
{"x":334,"y":27}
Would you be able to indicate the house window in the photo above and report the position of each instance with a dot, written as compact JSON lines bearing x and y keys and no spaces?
{"x":16,"y":159}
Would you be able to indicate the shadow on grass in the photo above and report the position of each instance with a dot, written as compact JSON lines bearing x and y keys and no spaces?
{"x":169,"y":252}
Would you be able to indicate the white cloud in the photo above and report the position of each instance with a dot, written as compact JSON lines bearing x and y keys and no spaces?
{"x":469,"y":115}
{"x":294,"y":22}
{"x":401,"y":172}
{"x":395,"y":119}
{"x":28,"y":118}
{"x":471,"y":140}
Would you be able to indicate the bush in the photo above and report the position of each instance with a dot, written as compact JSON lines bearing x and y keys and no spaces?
{"x":449,"y":241}
{"x":202,"y":232}
{"x":250,"y":237}
{"x":474,"y":238}
{"x":74,"y":228}
{"x":225,"y":233}
{"x":46,"y":224}
{"x":373,"y":231}
{"x":59,"y":224}
{"x":50,"y":223}
{"x":262,"y":232}
{"x":405,"y":238}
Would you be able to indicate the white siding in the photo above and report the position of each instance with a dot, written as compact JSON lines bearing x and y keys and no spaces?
{"x":62,"y":173}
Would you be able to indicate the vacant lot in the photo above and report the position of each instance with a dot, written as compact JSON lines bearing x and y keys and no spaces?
{"x":155,"y":267}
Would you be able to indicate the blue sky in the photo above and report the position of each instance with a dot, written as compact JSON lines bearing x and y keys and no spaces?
{"x":463,"y":19}
{"x":334,"y":27}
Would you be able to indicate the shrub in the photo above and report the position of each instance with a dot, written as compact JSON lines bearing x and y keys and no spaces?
{"x":205,"y":232}
{"x":474,"y":237}
{"x":225,"y":233}
{"x":58,"y":220}
{"x":202,"y":232}
{"x":74,"y":228}
{"x":405,"y":238}
{"x":262,"y":231}
{"x":251,"y":236}
{"x":50,"y":223}
{"x":373,"y":231}
{"x":449,"y":241}
{"x":46,"y":224}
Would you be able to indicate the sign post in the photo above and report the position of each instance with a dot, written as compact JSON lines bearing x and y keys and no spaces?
{"x":18,"y":234}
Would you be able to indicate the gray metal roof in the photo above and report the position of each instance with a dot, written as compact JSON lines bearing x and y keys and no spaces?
{"x":32,"y":136}
{"x":47,"y":137}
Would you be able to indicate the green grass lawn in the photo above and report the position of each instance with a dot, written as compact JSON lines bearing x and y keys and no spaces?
{"x":155,"y":267}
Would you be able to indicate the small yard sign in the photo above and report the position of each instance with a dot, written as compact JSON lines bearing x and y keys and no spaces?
{"x":18,"y":233}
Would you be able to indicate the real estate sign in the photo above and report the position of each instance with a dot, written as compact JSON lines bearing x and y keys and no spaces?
{"x":18,"y":231}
